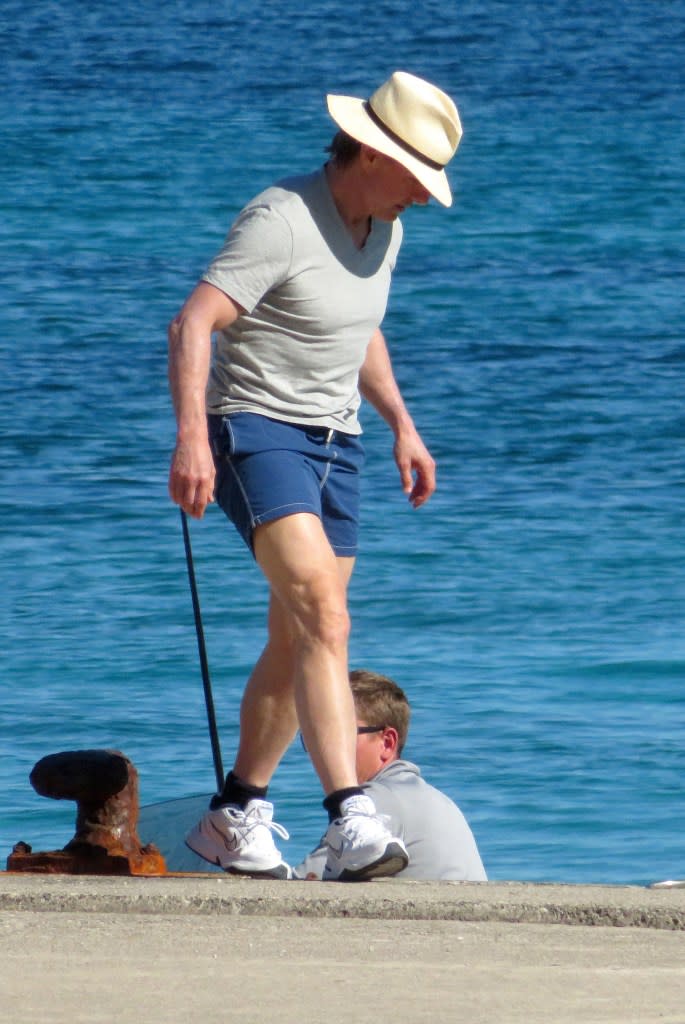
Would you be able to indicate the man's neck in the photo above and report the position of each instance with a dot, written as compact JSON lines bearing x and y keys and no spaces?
{"x":348,"y":197}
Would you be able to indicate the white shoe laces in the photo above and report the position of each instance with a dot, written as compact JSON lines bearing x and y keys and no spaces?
{"x":254,"y":818}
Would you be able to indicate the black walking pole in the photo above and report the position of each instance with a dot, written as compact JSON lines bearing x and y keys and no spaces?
{"x":206,"y":682}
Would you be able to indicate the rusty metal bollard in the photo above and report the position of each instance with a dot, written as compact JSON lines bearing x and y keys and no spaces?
{"x":104,"y":784}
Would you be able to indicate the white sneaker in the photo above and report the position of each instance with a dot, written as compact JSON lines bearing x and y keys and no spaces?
{"x":360,"y":845}
{"x":240,"y":840}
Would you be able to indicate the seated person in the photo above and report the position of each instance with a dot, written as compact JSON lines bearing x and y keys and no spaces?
{"x":438,"y":839}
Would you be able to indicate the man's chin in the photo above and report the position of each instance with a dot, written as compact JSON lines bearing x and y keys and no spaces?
{"x":390,"y":215}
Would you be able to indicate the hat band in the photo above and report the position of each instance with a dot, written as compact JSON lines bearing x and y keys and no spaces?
{"x":394,"y":137}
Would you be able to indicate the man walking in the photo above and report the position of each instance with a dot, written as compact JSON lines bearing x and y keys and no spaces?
{"x":268,"y":427}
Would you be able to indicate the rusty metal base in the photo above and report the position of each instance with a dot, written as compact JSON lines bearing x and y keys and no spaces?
{"x":104,"y":784}
{"x":87,"y":861}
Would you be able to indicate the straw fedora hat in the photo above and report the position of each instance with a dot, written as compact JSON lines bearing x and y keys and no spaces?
{"x":409,"y":120}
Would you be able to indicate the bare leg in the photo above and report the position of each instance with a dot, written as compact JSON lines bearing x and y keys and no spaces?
{"x":268,"y":718}
{"x":302,"y":673}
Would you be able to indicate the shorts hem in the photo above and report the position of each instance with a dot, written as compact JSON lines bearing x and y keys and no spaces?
{"x":284,"y":511}
{"x":281,"y":511}
{"x":344,"y":550}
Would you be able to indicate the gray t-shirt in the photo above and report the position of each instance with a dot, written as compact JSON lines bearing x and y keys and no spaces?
{"x":440,"y":844}
{"x":312,"y":300}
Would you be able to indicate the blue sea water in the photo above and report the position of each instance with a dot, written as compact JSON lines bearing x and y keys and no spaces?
{"x":535,"y":610}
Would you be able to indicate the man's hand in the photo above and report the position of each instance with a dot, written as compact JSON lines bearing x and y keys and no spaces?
{"x":416,"y":466}
{"x":191,"y":477}
{"x":378,"y":385}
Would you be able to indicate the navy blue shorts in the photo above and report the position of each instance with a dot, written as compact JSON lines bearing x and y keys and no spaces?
{"x":267,"y":469}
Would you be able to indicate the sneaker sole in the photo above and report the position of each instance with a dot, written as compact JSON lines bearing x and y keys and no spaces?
{"x":280,"y":873}
{"x":391,"y":863}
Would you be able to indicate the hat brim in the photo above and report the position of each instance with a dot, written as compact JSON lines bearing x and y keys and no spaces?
{"x":349,"y":113}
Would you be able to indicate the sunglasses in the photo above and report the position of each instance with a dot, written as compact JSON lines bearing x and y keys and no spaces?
{"x":362,"y":730}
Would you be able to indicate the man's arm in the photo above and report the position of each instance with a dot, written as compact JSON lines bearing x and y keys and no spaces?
{"x":378,"y":386}
{"x":191,"y":477}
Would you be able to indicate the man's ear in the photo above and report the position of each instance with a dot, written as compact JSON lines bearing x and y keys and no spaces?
{"x":368,"y":156}
{"x":391,"y":742}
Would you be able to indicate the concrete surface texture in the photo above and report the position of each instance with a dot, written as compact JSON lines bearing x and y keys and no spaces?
{"x":214,"y":948}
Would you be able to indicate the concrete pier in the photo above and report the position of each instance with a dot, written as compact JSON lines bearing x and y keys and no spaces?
{"x":214,"y":948}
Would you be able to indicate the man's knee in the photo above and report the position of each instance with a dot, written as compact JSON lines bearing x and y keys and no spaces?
{"x":322,"y":619}
{"x":334,"y":627}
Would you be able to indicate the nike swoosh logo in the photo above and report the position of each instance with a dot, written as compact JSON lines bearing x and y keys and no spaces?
{"x":229,"y":844}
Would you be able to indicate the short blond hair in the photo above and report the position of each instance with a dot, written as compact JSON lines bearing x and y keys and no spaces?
{"x":380,"y":701}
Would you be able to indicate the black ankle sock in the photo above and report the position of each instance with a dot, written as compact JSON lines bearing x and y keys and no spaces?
{"x":237,"y":792}
{"x":333,"y":800}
